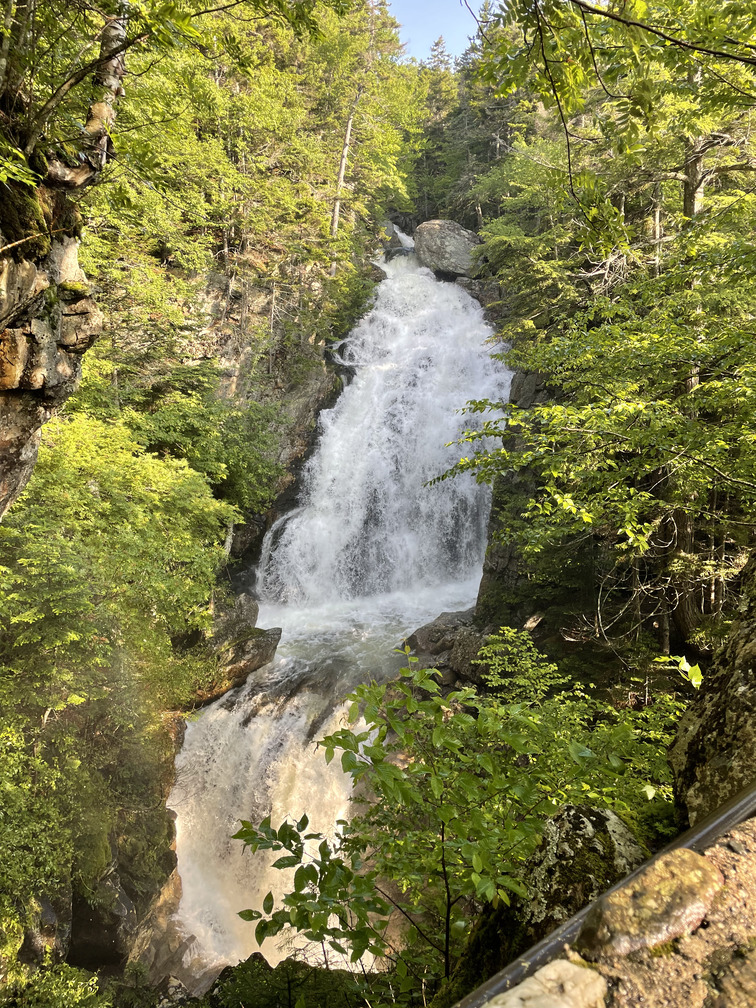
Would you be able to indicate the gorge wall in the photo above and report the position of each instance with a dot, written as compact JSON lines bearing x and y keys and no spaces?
{"x":48,"y":319}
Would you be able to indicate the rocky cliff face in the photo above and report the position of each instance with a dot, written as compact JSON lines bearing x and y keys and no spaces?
{"x":47,"y":321}
{"x":714,"y":754}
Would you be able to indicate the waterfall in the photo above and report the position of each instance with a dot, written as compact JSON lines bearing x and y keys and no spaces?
{"x":370,"y":553}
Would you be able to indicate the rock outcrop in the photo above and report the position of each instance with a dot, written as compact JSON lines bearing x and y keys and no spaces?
{"x":449,"y":643}
{"x":446,"y":247}
{"x":47,"y":321}
{"x":714,"y":753}
{"x":241,"y":646}
{"x":583,"y":851}
{"x":679,"y":933}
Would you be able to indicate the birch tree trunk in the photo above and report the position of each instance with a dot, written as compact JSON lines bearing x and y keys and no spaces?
{"x":96,"y":145}
{"x":343,"y":165}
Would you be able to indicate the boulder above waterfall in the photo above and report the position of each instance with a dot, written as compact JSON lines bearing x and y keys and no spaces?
{"x":446,"y":247}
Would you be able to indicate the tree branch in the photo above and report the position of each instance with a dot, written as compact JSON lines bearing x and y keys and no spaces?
{"x":672,"y":39}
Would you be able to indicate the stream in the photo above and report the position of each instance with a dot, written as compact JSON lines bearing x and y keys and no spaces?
{"x":369,"y":554}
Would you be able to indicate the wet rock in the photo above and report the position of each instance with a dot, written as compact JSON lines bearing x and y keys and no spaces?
{"x":397,"y":253}
{"x":491,"y":295}
{"x":439,"y":635}
{"x":668,"y":899}
{"x":249,"y":653}
{"x":560,"y":984}
{"x":389,"y":236}
{"x":234,"y":621}
{"x":446,"y":247}
{"x":450,"y":644}
{"x":159,"y":943}
{"x":241,"y":646}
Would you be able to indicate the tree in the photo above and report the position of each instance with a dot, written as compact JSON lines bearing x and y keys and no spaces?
{"x":109,"y":555}
{"x":41,"y":84}
{"x":617,"y":276}
{"x":453,"y":791}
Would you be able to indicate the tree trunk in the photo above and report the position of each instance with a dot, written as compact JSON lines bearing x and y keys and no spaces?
{"x":8,"y":18}
{"x":695,"y":179}
{"x":687,"y":611}
{"x":96,"y":145}
{"x":343,"y":166}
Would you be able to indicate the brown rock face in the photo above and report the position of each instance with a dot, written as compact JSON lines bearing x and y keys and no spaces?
{"x":47,"y":321}
{"x":669,"y":899}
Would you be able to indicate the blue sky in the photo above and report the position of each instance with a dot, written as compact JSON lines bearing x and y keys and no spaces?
{"x":424,"y":20}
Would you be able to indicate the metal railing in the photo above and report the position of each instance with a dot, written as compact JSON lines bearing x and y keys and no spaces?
{"x":698,"y":838}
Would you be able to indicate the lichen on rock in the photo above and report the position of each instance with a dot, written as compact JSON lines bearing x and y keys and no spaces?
{"x":668,"y":899}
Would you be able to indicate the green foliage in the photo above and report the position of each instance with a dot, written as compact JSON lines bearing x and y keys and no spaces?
{"x":109,"y":554}
{"x":453,"y":791}
{"x":255,"y":984}
{"x":61,"y":986}
{"x":619,"y":228}
{"x":515,"y":668}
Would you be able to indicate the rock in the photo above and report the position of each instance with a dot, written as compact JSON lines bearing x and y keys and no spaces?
{"x":103,"y":929}
{"x":376,"y":273}
{"x":583,"y":852}
{"x":737,"y":985}
{"x":438,"y":635}
{"x":714,"y":751}
{"x":449,"y":643}
{"x":174,"y":993}
{"x":232,"y":622}
{"x":47,"y":321}
{"x":526,"y":389}
{"x":241,"y":646}
{"x":249,"y":652}
{"x":389,"y":236}
{"x":668,"y":899}
{"x":559,"y":984}
{"x":446,"y":247}
{"x":396,"y":253}
{"x":467,"y":643}
{"x":492,"y":298}
{"x":47,"y":937}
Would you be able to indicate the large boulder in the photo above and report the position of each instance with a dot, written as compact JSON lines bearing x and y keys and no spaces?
{"x":241,"y":647}
{"x":583,"y":851}
{"x":450,"y":643}
{"x":714,"y":753}
{"x":249,"y":652}
{"x":446,"y":247}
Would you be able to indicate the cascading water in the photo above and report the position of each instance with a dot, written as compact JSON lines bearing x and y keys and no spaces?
{"x":370,"y":554}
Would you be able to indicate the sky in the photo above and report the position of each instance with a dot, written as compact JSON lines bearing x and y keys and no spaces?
{"x":424,"y":20}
